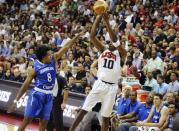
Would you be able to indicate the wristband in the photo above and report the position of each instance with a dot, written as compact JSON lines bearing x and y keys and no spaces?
{"x":116,"y":44}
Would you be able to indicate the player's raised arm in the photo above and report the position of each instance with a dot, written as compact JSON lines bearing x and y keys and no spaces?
{"x":122,"y":52}
{"x":68,"y":45}
{"x":96,"y":42}
{"x":23,"y":89}
{"x":109,"y":29}
{"x":93,"y":67}
{"x":113,"y":37}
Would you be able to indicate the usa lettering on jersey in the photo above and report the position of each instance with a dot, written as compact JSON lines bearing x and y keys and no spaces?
{"x":108,"y":55}
{"x":109,"y":66}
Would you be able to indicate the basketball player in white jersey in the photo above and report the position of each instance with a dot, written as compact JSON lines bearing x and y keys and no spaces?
{"x":106,"y":86}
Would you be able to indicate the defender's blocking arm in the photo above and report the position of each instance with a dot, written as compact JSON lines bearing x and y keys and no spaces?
{"x":68,"y":45}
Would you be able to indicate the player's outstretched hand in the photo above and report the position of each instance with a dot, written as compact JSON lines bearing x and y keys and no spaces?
{"x":12,"y":108}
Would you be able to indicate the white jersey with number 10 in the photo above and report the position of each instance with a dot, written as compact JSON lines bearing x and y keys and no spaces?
{"x":109,"y":68}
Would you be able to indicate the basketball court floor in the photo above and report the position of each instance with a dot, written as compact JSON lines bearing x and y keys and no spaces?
{"x":11,"y":123}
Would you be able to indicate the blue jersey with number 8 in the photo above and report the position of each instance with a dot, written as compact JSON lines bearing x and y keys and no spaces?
{"x":45,"y":74}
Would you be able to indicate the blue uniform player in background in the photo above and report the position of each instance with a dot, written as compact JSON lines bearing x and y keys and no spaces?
{"x":43,"y":71}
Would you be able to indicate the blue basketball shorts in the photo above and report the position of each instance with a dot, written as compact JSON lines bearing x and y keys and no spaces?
{"x":39,"y":105}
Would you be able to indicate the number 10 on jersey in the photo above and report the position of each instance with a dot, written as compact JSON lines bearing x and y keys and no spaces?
{"x":108,"y":64}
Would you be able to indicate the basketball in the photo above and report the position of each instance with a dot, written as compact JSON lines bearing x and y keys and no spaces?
{"x":100,"y":7}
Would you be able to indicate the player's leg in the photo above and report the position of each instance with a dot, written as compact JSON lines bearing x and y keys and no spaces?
{"x":31,"y":110}
{"x":78,"y":119}
{"x":50,"y":125}
{"x":45,"y":113}
{"x":107,"y":105}
{"x":42,"y":125}
{"x":91,"y":100}
{"x":24,"y":123}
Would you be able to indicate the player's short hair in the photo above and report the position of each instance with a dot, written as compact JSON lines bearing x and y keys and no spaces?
{"x":41,"y":51}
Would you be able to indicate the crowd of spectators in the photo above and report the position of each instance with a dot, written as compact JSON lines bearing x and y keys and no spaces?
{"x":148,"y":29}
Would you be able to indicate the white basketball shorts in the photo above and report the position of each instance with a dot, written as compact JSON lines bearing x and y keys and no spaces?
{"x":104,"y":93}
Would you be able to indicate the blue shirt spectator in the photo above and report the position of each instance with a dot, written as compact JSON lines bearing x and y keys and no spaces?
{"x":132,"y":103}
{"x":57,"y":41}
{"x":5,"y":50}
{"x":174,"y":85}
{"x":131,"y":106}
{"x":140,"y":113}
{"x":143,"y":111}
{"x":161,"y":88}
{"x":122,"y":103}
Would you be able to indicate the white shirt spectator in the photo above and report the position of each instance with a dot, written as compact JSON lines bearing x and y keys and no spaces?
{"x":128,"y":18}
{"x":23,"y":52}
{"x":107,"y":37}
{"x":22,"y":66}
{"x":167,"y":18}
{"x":135,"y":8}
{"x":172,"y":19}
{"x":137,"y":62}
{"x":140,"y":32}
{"x":2,"y":30}
{"x":173,"y":86}
{"x":144,"y":2}
{"x":87,"y":35}
{"x":153,"y":64}
{"x":161,"y":89}
{"x":152,"y":83}
{"x":62,"y":73}
{"x":87,"y":12}
{"x":40,"y":7}
{"x":112,"y":23}
{"x":71,"y":64}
